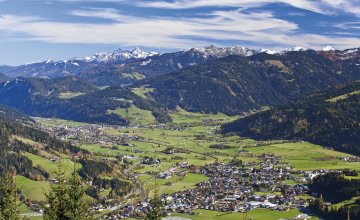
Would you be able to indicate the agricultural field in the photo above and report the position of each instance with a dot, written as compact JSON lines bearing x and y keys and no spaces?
{"x":306,"y":156}
{"x":56,"y":122}
{"x":257,"y":214}
{"x":135,"y":115}
{"x":181,"y":116}
{"x":175,"y":184}
{"x":197,"y":140}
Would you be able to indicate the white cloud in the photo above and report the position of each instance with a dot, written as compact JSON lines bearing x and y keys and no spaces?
{"x":261,"y":28}
{"x":349,"y":25}
{"x":180,"y":4}
{"x":105,"y":13}
{"x":318,"y":6}
{"x":350,"y":6}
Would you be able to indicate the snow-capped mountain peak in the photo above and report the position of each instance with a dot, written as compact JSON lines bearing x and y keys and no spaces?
{"x":138,"y":53}
{"x":50,"y":61}
{"x":117,"y":56}
{"x":298,"y":48}
{"x":328,"y":48}
{"x":268,"y":51}
{"x":213,"y":51}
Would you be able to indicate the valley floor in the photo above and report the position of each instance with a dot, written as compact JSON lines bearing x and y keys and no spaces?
{"x":177,"y":159}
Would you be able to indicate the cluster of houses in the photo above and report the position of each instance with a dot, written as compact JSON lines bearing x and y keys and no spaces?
{"x":93,"y":134}
{"x":179,"y":170}
{"x":232,"y":188}
{"x":352,"y":159}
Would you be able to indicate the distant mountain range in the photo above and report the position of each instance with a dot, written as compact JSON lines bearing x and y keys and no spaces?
{"x":230,"y":80}
{"x":54,"y":69}
{"x":172,"y":61}
{"x":121,"y":65}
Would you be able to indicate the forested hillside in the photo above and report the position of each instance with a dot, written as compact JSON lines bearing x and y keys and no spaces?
{"x":230,"y":85}
{"x":334,"y":188}
{"x":73,"y":99}
{"x":236,"y":84}
{"x":14,"y":124}
{"x":330,"y":119}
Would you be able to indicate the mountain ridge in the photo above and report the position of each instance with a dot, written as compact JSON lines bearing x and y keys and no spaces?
{"x":136,"y":58}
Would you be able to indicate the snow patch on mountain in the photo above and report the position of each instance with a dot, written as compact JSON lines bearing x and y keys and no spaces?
{"x":118,"y":55}
{"x":219,"y":52}
{"x":297,"y":49}
{"x":146,"y":62}
{"x":328,"y":48}
{"x":268,"y":51}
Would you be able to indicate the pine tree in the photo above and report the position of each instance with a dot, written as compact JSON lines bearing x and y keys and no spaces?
{"x":157,"y":206}
{"x":9,"y":205}
{"x":77,"y":206}
{"x":57,"y":199}
{"x":66,"y":199}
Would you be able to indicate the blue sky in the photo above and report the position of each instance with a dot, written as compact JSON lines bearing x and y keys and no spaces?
{"x":33,"y":30}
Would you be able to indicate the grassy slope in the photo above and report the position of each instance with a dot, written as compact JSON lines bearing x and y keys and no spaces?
{"x":69,"y":95}
{"x":135,"y":115}
{"x":50,"y":167}
{"x":183,"y":116}
{"x":342,"y":97}
{"x":29,"y":142}
{"x":32,"y":189}
{"x":142,"y":91}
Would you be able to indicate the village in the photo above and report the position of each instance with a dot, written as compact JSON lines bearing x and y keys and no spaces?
{"x":235,"y":187}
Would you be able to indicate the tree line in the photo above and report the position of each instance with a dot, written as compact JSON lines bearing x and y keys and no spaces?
{"x":334,"y":188}
{"x":65,"y":201}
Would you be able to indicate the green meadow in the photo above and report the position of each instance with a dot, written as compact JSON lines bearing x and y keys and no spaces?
{"x":135,"y":115}
{"x":32,"y":189}
{"x":50,"y":167}
{"x":256,"y":214}
{"x":307,"y":156}
{"x":69,"y":95}
{"x":142,"y":91}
